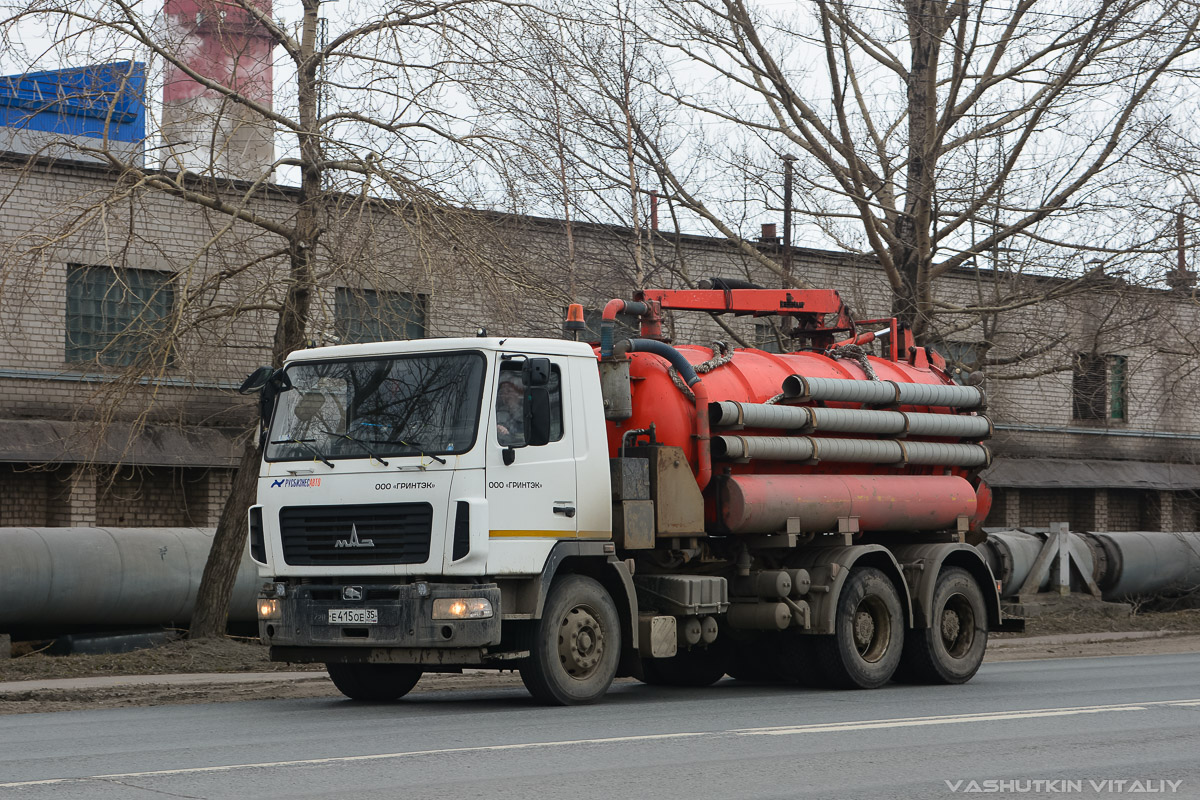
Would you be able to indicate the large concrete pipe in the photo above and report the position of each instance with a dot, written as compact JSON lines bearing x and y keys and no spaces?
{"x":1011,"y":554}
{"x":850,"y":451}
{"x":109,"y":576}
{"x":765,"y":503}
{"x":882,"y":393}
{"x":848,"y":420}
{"x":1148,"y":562}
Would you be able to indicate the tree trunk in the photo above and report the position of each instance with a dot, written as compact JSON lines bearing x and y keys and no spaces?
{"x":220,"y":571}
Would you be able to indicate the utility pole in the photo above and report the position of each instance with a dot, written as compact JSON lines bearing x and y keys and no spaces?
{"x":788,"y":160}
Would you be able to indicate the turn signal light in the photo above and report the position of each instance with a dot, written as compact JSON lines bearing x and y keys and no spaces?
{"x":462,"y":608}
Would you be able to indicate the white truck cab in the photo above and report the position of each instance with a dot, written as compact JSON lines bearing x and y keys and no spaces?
{"x":402,"y":508}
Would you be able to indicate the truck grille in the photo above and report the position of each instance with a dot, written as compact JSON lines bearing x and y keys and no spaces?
{"x":398,"y":533}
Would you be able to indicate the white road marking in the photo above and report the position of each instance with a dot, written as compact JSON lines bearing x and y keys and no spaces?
{"x":826,"y":727}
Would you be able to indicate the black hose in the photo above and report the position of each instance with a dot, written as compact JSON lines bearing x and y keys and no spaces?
{"x":681,"y":365}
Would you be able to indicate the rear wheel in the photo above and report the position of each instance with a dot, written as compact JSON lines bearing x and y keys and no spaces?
{"x":951,"y":649}
{"x":864,"y":650}
{"x":576,"y":644}
{"x":374,"y":682}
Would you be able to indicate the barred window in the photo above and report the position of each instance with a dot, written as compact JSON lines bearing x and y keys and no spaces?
{"x":628,"y":326}
{"x":1098,"y":387}
{"x":367,"y":315}
{"x":116,"y":316}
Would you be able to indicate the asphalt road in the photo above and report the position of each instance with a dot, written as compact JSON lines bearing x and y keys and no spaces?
{"x":1078,"y":726}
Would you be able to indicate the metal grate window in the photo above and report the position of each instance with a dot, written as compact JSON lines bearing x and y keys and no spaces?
{"x":116,"y":316}
{"x":1099,"y":387}
{"x":367,"y":315}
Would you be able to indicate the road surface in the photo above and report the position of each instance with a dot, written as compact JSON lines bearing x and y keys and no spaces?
{"x":1090,"y":727}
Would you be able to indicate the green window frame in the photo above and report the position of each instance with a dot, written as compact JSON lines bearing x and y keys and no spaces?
{"x":116,"y":316}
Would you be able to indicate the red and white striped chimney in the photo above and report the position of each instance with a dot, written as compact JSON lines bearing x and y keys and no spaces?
{"x":203,"y":129}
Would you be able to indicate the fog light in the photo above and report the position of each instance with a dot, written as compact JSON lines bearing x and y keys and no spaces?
{"x":462,"y":608}
{"x":268,"y":609}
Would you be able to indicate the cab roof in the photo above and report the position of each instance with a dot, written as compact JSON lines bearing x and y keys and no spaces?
{"x":494,"y":344}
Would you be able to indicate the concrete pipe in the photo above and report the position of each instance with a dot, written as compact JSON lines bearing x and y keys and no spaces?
{"x":1150,"y":562}
{"x":109,"y":576}
{"x":1011,"y":554}
{"x":765,"y":503}
{"x":882,"y":393}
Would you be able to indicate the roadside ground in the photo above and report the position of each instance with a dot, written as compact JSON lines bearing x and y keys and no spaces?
{"x":232,"y":669}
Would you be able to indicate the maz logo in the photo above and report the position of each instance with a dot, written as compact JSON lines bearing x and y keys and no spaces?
{"x":354,"y":541}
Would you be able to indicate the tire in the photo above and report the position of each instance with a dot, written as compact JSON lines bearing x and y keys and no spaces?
{"x":576,"y":644}
{"x":951,"y":649}
{"x":695,"y":668}
{"x":865,"y":649}
{"x":374,"y":682}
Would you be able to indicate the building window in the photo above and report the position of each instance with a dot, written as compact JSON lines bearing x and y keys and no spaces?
{"x":962,"y":358}
{"x":116,"y":316}
{"x":767,"y":336}
{"x":628,"y":326}
{"x":367,"y":315}
{"x":1098,"y":387}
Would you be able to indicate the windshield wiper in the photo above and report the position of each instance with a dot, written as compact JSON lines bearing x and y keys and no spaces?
{"x":420,"y":448}
{"x":305,"y":443}
{"x":363,"y":442}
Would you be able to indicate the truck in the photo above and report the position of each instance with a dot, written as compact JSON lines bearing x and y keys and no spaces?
{"x":583,"y":511}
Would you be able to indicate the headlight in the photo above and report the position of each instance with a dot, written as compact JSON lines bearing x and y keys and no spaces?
{"x":268,"y":609}
{"x":462,"y":608}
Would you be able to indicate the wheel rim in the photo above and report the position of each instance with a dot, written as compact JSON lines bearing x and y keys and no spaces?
{"x":872,"y":628}
{"x":580,"y":642}
{"x":958,"y":626}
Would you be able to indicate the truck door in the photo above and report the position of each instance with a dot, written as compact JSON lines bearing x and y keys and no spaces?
{"x":534,"y":496}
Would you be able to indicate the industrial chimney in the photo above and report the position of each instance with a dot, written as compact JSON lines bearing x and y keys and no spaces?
{"x":203,"y":129}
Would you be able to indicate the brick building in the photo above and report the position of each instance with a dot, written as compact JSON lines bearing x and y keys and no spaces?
{"x":127,"y":320}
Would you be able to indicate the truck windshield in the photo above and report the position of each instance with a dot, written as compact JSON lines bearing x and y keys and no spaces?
{"x":398,"y":406}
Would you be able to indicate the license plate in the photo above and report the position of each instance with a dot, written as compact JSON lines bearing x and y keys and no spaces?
{"x":353,"y":616}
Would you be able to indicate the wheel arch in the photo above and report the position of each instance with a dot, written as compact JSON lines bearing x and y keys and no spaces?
{"x":831,"y":567}
{"x":924,"y":562}
{"x":595,"y":560}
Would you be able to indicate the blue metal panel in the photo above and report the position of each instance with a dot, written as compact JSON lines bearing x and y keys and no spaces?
{"x":78,"y":102}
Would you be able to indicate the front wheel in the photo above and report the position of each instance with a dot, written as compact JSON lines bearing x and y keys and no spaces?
{"x":951,"y":649}
{"x":576,"y":644}
{"x":864,"y":650}
{"x":374,"y":682}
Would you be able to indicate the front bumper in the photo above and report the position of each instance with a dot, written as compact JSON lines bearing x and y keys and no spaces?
{"x":405,"y":617}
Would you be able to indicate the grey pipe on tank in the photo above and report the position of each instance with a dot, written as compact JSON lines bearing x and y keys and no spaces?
{"x":882,"y":393}
{"x":854,"y":451}
{"x":849,"y":420}
{"x":109,"y":576}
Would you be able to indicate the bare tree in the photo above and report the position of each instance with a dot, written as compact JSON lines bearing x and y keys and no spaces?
{"x":371,"y":158}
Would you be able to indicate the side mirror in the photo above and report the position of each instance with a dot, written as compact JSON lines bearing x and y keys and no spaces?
{"x":537,"y":416}
{"x":256,"y":380}
{"x":536,"y":374}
